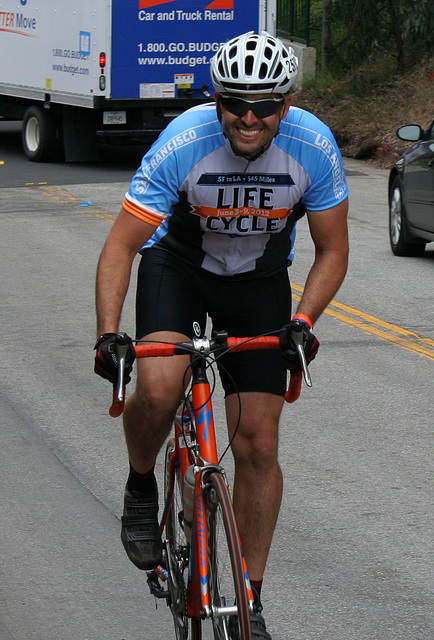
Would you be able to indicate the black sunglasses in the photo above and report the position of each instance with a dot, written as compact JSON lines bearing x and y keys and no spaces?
{"x":261,"y":108}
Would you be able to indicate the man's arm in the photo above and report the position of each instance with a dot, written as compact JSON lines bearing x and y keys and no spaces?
{"x":126,"y":237}
{"x":329,"y":233}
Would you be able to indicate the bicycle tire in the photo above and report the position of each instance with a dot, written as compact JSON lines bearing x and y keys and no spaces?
{"x":227,"y":581}
{"x":176,"y":548}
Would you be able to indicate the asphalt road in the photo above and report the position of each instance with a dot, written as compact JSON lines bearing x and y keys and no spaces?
{"x":352,"y":556}
{"x":116,"y":163}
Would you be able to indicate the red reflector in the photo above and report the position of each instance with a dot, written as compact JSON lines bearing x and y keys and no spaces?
{"x":102,"y":59}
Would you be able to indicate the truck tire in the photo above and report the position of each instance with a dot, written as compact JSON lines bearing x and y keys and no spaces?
{"x":38,"y":135}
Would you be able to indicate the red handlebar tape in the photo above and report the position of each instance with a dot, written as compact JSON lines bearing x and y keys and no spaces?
{"x":117,"y":407}
{"x":294,"y":388}
{"x":157,"y":349}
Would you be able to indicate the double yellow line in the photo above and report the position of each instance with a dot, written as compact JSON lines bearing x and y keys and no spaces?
{"x":65,"y":197}
{"x":403,"y":338}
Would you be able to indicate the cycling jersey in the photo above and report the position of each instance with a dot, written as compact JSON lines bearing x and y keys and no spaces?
{"x":227,"y":214}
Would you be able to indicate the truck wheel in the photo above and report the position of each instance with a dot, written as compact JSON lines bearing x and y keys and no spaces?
{"x":39,"y":135}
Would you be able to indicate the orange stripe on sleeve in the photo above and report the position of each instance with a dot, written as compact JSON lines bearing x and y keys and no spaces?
{"x":143,"y":214}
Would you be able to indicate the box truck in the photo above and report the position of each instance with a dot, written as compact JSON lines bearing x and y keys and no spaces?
{"x":79,"y":72}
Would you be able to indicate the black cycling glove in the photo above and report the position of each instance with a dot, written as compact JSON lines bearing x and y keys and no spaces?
{"x":106,"y":360}
{"x":310,"y":344}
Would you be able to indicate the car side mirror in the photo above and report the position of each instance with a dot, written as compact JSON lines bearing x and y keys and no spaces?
{"x":410,"y":132}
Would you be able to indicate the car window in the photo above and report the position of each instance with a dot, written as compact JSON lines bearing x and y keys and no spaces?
{"x":431,"y":132}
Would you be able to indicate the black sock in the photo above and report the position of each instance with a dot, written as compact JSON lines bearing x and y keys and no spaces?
{"x":142,"y":482}
{"x":256,"y":586}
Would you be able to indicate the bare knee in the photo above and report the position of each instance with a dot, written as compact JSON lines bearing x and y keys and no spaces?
{"x":255,"y":444}
{"x":160,"y":383}
{"x":148,"y":418}
{"x":154,"y":400}
{"x":256,"y":448}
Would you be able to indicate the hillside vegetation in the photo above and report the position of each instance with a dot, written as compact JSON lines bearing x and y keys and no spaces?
{"x":365,"y":107}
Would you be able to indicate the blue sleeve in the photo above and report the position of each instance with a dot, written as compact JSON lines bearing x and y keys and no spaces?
{"x":168,"y":162}
{"x":311,"y":143}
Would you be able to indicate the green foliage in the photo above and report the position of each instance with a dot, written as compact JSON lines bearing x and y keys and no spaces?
{"x":418,"y":22}
{"x":323,"y":80}
{"x":362,"y":28}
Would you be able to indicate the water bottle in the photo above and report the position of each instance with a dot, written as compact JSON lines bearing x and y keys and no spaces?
{"x":188,"y":495}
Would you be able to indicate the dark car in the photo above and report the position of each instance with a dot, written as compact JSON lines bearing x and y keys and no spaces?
{"x":411,"y":193}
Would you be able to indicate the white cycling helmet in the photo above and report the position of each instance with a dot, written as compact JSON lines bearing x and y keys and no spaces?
{"x":253,"y":63}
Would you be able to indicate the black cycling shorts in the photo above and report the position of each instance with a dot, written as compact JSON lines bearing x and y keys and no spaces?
{"x":174,"y":296}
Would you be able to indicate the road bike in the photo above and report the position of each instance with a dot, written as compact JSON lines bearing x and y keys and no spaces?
{"x":203,"y":575}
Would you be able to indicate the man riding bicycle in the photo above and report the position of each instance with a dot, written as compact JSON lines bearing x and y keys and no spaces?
{"x":212,"y":210}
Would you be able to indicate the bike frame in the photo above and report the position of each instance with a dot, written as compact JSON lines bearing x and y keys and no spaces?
{"x":204,"y":457}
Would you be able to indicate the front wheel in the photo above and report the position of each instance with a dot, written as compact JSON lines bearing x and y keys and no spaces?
{"x":398,"y":225}
{"x":176,"y":545}
{"x":227,"y":579}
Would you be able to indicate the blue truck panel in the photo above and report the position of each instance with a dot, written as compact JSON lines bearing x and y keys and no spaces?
{"x":162,"y":48}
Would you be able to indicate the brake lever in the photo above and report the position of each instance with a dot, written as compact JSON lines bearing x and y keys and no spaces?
{"x":297,"y":338}
{"x":121,"y":350}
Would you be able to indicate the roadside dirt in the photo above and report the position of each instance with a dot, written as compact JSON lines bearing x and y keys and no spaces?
{"x":365,"y":124}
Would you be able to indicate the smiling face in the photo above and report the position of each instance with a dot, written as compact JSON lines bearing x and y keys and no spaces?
{"x":249,"y":134}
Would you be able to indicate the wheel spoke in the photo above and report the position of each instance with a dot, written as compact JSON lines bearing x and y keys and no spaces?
{"x":402,"y":239}
{"x":395,"y":213}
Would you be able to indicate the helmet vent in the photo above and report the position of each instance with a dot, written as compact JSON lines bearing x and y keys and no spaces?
{"x":249,"y":65}
{"x":278,"y":71}
{"x":263,"y":71}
